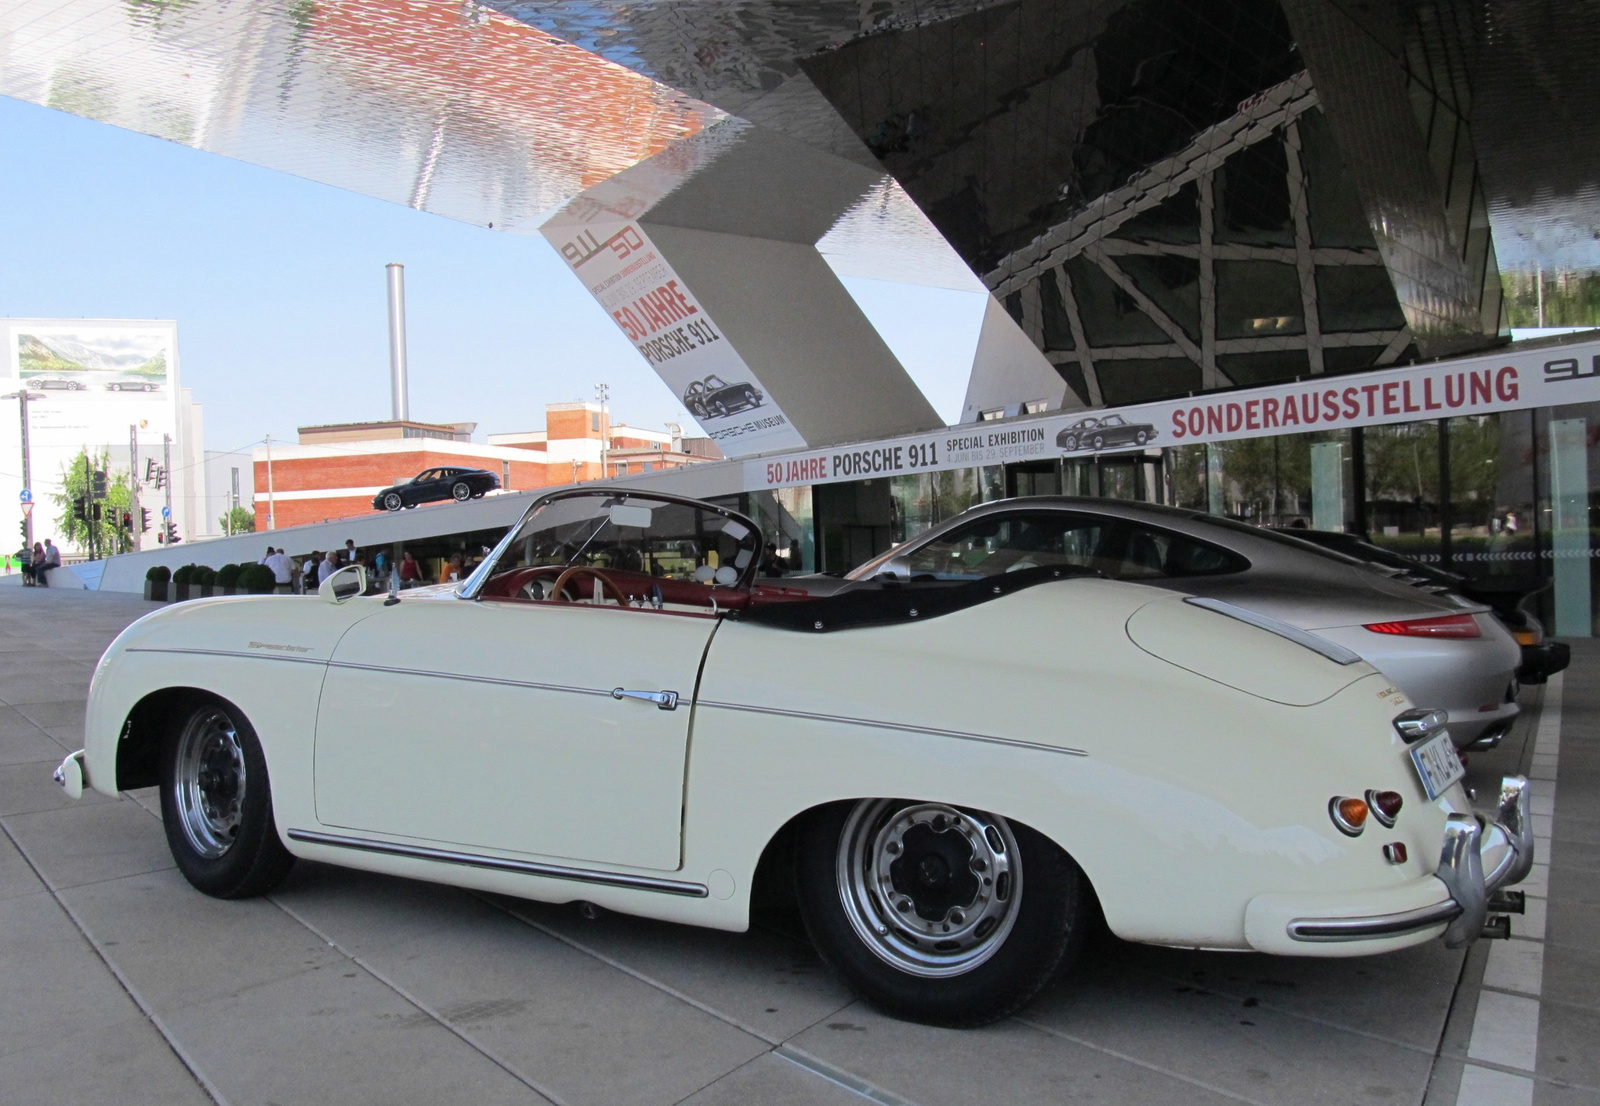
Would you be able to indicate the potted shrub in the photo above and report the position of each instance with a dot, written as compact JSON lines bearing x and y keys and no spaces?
{"x":156,"y":583}
{"x":202,"y":581}
{"x":257,"y":579}
{"x":228,"y":579}
{"x":182,"y":579}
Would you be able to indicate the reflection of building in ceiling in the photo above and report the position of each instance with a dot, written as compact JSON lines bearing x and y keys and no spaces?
{"x":1165,"y":195}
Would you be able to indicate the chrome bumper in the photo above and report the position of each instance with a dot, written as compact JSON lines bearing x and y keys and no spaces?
{"x":1460,"y":870}
{"x":71,"y":776}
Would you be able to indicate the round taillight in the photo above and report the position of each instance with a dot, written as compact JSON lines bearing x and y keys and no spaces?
{"x":1385,"y":806}
{"x":1350,"y":815}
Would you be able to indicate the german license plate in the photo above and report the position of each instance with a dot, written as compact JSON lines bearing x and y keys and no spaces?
{"x":1437,"y":764}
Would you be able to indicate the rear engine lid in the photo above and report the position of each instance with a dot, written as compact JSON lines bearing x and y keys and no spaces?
{"x":1243,"y":656}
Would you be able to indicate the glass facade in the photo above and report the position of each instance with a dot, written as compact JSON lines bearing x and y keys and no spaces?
{"x":1510,"y":501}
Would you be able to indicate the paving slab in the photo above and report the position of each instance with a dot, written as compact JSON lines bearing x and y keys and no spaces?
{"x":52,"y":985}
{"x":578,"y":1026}
{"x":101,"y":841}
{"x":179,"y":947}
{"x":773,"y":1081}
{"x":126,"y":1063}
{"x":336,"y":1035}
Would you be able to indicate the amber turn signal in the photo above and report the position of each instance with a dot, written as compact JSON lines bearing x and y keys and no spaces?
{"x":1394,"y":852}
{"x":1350,"y":815}
{"x":1385,"y":806}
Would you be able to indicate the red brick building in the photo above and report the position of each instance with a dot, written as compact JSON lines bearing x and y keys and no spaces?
{"x":336,"y":470}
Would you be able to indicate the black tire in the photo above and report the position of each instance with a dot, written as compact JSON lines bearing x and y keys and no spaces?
{"x":1049,"y":907}
{"x":237,"y":861}
{"x":1070,"y":443}
{"x":1099,"y":443}
{"x":1141,"y":437}
{"x":393,"y":502}
{"x":116,"y":387}
{"x":461,"y":491}
{"x":717,"y":409}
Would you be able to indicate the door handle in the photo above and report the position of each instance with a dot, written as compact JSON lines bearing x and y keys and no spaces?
{"x":665,"y":700}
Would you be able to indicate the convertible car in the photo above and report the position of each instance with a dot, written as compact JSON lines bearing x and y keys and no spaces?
{"x":958,"y":775}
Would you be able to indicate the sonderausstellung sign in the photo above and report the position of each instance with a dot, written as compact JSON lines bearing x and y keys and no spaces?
{"x":1547,"y":377}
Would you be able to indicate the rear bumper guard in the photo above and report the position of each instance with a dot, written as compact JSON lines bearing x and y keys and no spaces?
{"x":1466,"y":911}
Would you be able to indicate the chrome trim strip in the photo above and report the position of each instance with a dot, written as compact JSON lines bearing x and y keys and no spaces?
{"x":222,"y":653}
{"x":469,"y":678}
{"x":897,"y":726}
{"x":500,"y":864}
{"x":1323,"y":930}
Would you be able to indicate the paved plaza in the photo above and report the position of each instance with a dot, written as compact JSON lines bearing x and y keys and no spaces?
{"x":121,"y":984}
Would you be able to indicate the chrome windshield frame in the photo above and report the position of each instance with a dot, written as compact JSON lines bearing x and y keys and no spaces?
{"x":472,"y":586}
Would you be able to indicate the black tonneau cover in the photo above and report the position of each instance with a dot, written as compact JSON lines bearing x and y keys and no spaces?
{"x":884,"y":601}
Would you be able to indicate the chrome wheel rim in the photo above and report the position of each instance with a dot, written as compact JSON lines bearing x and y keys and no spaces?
{"x":393,"y":502}
{"x":461,"y":492}
{"x":932,"y":890}
{"x":210,"y":782}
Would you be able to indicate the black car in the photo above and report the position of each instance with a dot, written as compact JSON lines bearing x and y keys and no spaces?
{"x":1103,"y":432}
{"x":443,"y":483}
{"x":714,"y":398}
{"x":1541,"y":658}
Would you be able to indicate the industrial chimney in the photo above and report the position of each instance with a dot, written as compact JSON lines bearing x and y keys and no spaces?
{"x":399,"y":397}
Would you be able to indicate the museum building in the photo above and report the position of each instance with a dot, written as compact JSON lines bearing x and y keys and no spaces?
{"x":1160,"y":200}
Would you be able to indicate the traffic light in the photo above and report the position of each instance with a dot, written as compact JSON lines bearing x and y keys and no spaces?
{"x":149,"y":469}
{"x":172,"y":533}
{"x":94,"y":511}
{"x":127,"y":521}
{"x":161,"y":477}
{"x":24,"y":530}
{"x":144,"y":520}
{"x":80,"y":509}
{"x":99,"y":483}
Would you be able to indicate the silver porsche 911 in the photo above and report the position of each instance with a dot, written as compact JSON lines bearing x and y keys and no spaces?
{"x":1442,"y":650}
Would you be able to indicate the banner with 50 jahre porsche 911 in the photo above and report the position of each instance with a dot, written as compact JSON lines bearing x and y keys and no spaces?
{"x":658,"y":312}
{"x":1468,"y":386}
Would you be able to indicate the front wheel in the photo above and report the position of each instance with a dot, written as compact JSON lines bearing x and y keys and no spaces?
{"x":393,"y":502}
{"x":216,"y":804}
{"x":934,"y":913}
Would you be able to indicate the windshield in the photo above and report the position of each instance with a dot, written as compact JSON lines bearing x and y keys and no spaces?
{"x":667,"y":539}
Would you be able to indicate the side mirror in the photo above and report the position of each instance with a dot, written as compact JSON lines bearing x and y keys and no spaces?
{"x":895,"y":568}
{"x":349,"y":582}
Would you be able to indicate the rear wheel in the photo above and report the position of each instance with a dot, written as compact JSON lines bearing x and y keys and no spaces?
{"x":216,"y":804}
{"x":461,"y":491}
{"x":934,"y":913}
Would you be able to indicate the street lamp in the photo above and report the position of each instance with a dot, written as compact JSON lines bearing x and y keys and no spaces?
{"x":23,"y":395}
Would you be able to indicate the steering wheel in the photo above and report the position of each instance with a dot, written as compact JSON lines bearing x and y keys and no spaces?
{"x":588,"y":570}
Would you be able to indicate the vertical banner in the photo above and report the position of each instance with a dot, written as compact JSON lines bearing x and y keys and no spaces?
{"x":625,"y":271}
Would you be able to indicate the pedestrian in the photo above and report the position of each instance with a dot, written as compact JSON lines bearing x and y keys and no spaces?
{"x":52,"y":559}
{"x":282,"y":571}
{"x":453,"y":570}
{"x":771,"y":563}
{"x":40,"y":563}
{"x":25,"y":563}
{"x":330,"y":565}
{"x":410,"y":571}
{"x":349,"y":551}
{"x":265,"y":555}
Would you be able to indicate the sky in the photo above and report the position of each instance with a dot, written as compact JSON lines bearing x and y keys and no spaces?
{"x":277,"y":285}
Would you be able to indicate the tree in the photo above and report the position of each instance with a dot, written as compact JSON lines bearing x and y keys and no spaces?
{"x":77,"y":481}
{"x":238,"y":521}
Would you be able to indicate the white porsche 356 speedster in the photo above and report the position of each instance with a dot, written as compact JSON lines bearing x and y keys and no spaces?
{"x":612,"y":708}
